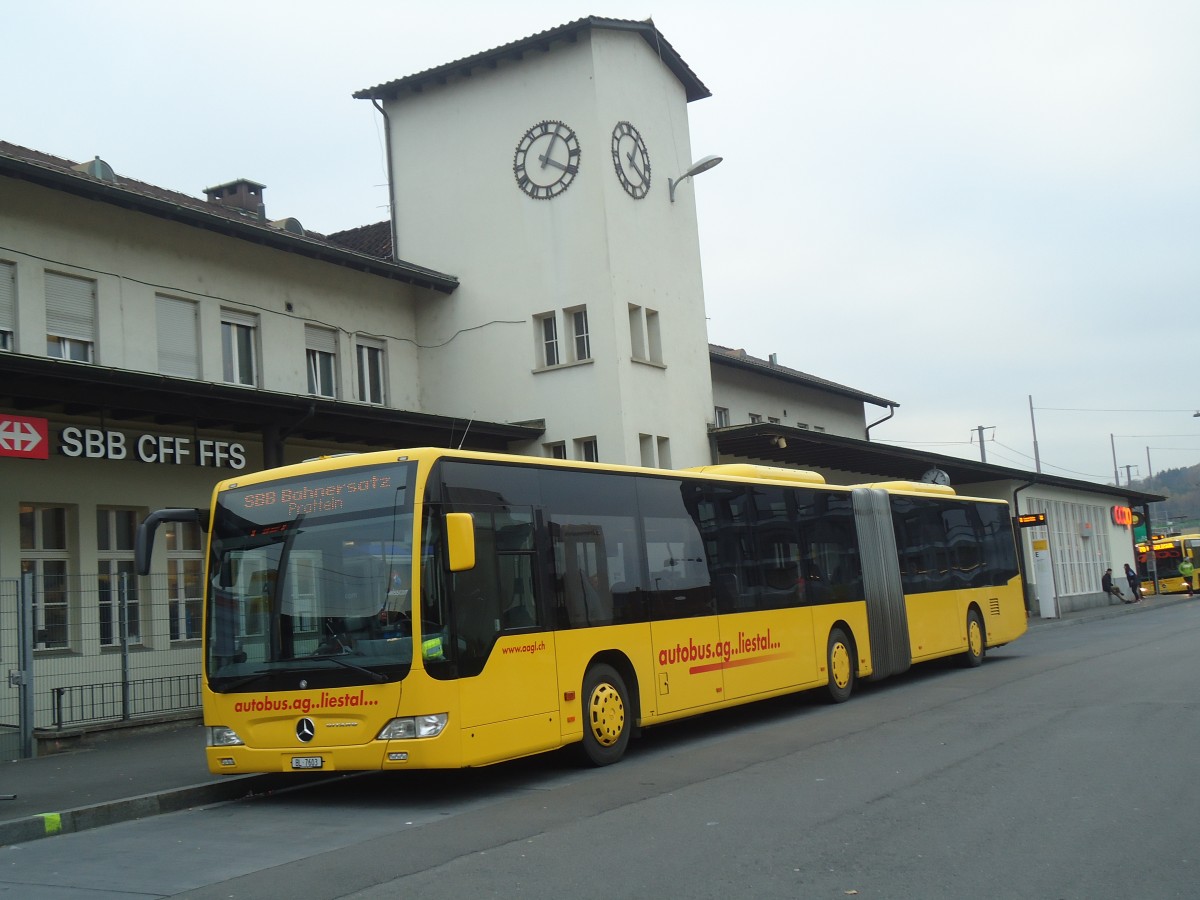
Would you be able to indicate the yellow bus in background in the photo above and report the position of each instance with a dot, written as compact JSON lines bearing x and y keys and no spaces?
{"x":1169,"y":552}
{"x":435,"y":609}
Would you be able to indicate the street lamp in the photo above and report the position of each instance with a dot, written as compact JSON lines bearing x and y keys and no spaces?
{"x":699,"y":166}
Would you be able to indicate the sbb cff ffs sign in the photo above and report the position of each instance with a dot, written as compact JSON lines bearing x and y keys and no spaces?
{"x":24,"y":437}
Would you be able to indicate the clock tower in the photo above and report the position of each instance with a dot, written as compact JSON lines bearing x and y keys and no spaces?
{"x":540,"y":174}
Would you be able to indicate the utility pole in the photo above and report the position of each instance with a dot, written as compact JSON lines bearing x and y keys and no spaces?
{"x":1116,"y":476}
{"x":982,"y":451}
{"x":1128,"y":478}
{"x":1037,"y":460}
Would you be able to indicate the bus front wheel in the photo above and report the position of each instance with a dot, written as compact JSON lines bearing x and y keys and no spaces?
{"x":976,"y":640}
{"x":606,"y":709}
{"x":840,"y":658}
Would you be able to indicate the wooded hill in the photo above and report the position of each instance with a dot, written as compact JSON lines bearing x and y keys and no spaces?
{"x":1182,"y":508}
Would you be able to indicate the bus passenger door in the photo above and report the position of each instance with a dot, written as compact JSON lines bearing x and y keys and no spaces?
{"x":507,"y":674}
{"x":688,"y":663}
{"x":689,"y":657}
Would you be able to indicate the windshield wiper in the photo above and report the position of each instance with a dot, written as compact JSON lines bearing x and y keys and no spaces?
{"x":241,"y":682}
{"x":377,"y":677}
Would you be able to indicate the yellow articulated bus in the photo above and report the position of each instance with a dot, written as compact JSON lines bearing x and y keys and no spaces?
{"x":1169,"y":552}
{"x":436,"y":609}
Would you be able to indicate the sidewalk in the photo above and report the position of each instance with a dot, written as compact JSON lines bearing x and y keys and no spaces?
{"x":117,"y":777}
{"x":120,"y":776}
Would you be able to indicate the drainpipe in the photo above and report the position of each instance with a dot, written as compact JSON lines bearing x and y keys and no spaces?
{"x":891,"y":412}
{"x":387,"y":145}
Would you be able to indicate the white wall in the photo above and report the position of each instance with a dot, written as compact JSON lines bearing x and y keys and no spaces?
{"x":134,"y":257}
{"x":458,"y":209}
{"x":743,"y":393}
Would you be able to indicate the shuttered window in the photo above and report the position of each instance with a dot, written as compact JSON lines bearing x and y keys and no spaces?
{"x":321,"y":357}
{"x":70,"y":317}
{"x":178,"y":347}
{"x":239,"y":342}
{"x":8,"y":305}
{"x":372,"y":373}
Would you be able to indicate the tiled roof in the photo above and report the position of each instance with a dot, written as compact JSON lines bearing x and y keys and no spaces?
{"x":741,"y":359}
{"x":96,"y":181}
{"x":373,"y":240}
{"x":541,"y":41}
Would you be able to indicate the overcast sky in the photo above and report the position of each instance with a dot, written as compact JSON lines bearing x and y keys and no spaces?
{"x":954,"y":205}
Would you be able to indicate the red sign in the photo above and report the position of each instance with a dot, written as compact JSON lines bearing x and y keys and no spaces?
{"x":24,"y":437}
{"x":1122,"y":515}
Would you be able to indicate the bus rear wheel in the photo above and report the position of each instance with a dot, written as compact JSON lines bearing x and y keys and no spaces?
{"x":976,"y":640}
{"x":606,"y":708}
{"x":840,"y":659}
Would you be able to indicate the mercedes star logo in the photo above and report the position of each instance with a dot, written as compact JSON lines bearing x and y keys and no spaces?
{"x":306,"y":730}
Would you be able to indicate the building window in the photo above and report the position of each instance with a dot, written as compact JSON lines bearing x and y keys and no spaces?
{"x":120,"y":614}
{"x":721,"y":416}
{"x":70,"y":317}
{"x":178,"y":337}
{"x":185,"y":566}
{"x":587,"y":450}
{"x":644,"y":336}
{"x":773,"y":420}
{"x":8,"y":306}
{"x":371,"y":371}
{"x":44,"y":555}
{"x":655,"y":451}
{"x":579,"y":328}
{"x":239,"y":356}
{"x":321,"y":357}
{"x":547,"y":330}
{"x":557,"y":450}
{"x":653,"y":337}
{"x":755,"y":418}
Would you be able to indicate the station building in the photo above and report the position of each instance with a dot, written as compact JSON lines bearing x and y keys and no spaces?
{"x":536,"y":290}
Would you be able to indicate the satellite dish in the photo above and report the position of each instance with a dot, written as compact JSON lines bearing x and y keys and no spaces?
{"x":935,"y":476}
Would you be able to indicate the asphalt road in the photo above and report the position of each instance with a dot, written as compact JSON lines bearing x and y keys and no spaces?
{"x":1065,"y":767}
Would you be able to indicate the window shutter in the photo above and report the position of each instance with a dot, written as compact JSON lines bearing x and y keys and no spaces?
{"x":321,"y":339}
{"x":177,"y":332}
{"x":71,"y":307}
{"x":8,"y":297}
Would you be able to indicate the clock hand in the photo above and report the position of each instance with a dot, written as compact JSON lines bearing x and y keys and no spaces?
{"x":553,"y":139}
{"x":546,"y":160}
{"x":636,"y":168}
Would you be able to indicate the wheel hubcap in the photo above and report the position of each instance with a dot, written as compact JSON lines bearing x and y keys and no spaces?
{"x":607,"y":715}
{"x":975,"y":639}
{"x":839,"y":665}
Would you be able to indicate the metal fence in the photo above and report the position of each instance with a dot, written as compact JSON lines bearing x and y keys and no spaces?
{"x":83,"y":650}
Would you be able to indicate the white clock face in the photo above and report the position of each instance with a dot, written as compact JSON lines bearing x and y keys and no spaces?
{"x":631,"y":160}
{"x":546,"y":160}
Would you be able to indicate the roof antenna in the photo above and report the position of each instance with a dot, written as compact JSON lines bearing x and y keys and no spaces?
{"x":465,"y":430}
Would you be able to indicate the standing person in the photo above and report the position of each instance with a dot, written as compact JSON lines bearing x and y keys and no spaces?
{"x":1186,"y":569}
{"x":1135,"y":583}
{"x":1111,"y":589}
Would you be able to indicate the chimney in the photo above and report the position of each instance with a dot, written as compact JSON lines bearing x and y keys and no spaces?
{"x":774,"y":359}
{"x":242,"y":194}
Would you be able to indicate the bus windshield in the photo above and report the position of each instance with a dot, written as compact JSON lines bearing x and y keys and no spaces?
{"x":310,"y":581}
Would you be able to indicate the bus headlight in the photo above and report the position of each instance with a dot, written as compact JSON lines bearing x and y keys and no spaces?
{"x":414,"y":727}
{"x":222,"y":736}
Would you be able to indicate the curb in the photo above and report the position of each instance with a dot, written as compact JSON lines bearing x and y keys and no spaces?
{"x":112,"y":812}
{"x":1098,"y":613}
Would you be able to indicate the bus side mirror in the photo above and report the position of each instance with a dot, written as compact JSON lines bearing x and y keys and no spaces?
{"x":460,"y":541}
{"x":145,"y":533}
